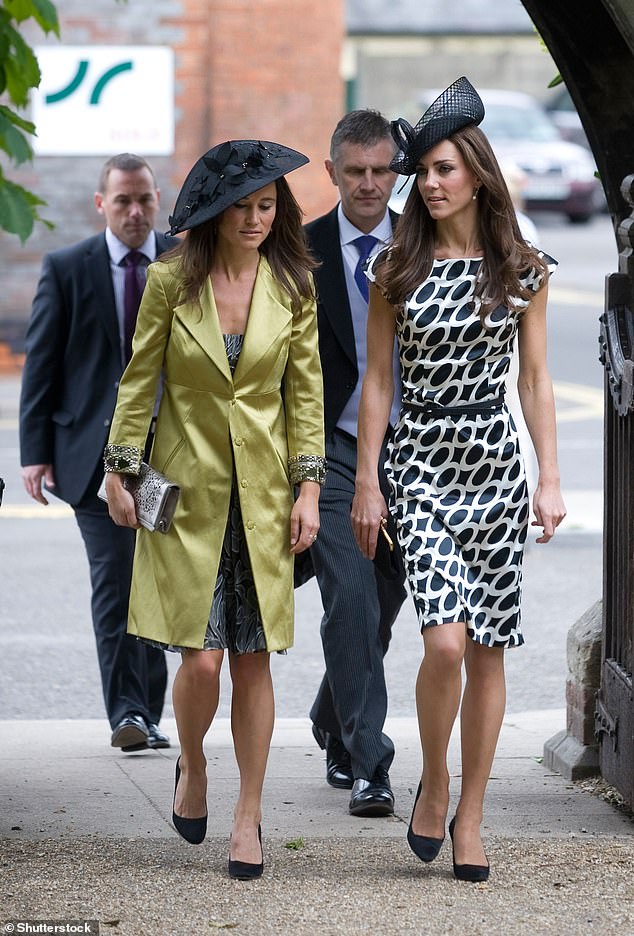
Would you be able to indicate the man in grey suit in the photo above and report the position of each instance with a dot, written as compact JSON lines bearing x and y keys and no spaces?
{"x":360,"y":605}
{"x":77,"y":346}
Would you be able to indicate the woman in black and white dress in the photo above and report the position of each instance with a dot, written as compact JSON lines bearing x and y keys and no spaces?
{"x":457,"y":285}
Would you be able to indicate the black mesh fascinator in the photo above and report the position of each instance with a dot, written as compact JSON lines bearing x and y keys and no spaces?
{"x":227,"y":173}
{"x":458,"y":106}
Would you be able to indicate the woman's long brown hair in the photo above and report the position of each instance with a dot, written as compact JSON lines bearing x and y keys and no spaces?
{"x":506,"y":255}
{"x":285,"y":249}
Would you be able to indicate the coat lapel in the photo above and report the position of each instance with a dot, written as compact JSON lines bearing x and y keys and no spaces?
{"x":331,"y":283}
{"x":99,"y":277}
{"x":330,"y":278}
{"x":203,"y":325}
{"x":267,"y":318}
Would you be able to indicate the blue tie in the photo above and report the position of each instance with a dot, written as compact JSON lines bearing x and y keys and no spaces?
{"x":364,"y":245}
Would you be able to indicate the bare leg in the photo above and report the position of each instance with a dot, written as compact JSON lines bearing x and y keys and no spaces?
{"x":252,"y":718}
{"x":438,"y":689}
{"x":481,"y":717}
{"x":195,"y":696}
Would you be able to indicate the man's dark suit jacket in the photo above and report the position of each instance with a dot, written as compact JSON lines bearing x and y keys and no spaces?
{"x":336,"y":335}
{"x":336,"y":332}
{"x":73,"y":365}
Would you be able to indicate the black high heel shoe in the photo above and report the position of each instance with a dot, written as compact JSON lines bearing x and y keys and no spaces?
{"x":192,"y":830}
{"x":475,"y":874}
{"x":246,"y":870}
{"x":424,"y":846}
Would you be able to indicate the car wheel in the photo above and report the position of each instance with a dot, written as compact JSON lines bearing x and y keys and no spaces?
{"x":580,"y":218}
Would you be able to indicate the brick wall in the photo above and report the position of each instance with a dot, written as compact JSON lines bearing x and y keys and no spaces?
{"x":244,"y":68}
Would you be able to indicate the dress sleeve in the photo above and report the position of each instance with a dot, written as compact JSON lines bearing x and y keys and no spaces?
{"x":370,"y":270}
{"x":533,"y":278}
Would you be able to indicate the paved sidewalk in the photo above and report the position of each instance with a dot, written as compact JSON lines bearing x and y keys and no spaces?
{"x":85,"y":834}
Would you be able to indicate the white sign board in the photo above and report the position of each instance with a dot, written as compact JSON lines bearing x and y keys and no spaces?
{"x":102,"y":100}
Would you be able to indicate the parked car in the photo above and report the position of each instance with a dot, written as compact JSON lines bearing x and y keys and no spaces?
{"x":563,"y":113}
{"x":560,"y":176}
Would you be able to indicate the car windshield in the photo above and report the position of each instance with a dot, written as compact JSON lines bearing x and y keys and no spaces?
{"x":510,"y":122}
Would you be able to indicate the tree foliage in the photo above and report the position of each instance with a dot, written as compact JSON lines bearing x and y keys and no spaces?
{"x":19,"y":74}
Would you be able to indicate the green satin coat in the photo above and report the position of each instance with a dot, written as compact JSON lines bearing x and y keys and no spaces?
{"x":209,"y":421}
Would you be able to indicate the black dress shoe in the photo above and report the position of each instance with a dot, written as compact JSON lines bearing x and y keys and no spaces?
{"x":338,"y":764}
{"x":130,"y":732}
{"x":475,"y":874}
{"x":192,"y":830}
{"x":424,"y":847}
{"x":245,"y":870}
{"x":372,"y":797}
{"x":155,"y":739}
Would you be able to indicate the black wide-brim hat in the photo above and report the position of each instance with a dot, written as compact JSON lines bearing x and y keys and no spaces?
{"x":458,"y":106}
{"x":227,"y":173}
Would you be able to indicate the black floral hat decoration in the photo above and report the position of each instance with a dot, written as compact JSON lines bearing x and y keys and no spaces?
{"x":458,"y":106}
{"x":227,"y":173}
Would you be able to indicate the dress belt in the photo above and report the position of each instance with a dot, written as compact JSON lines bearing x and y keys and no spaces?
{"x":478,"y":407}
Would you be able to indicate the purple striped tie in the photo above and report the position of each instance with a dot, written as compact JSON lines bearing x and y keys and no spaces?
{"x":133,"y":290}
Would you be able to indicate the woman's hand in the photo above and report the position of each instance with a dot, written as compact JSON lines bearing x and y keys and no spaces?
{"x":305,"y":517}
{"x":549,"y":509}
{"x":368,"y":508}
{"x":120,"y":502}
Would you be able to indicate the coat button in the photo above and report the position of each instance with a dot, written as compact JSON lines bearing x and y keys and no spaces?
{"x":244,"y":483}
{"x":238,"y":441}
{"x":250,"y":525}
{"x":106,"y":422}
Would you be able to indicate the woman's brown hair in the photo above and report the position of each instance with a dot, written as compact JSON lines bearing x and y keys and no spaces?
{"x":506,"y":255}
{"x":285,"y":249}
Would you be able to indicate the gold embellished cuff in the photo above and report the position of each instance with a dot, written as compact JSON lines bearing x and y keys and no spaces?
{"x":307,"y":468}
{"x":125,"y":459}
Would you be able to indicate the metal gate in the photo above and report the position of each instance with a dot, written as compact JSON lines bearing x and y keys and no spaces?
{"x":614,"y":714}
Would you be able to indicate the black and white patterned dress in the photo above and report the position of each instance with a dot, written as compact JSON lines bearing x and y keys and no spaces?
{"x":458,"y":481}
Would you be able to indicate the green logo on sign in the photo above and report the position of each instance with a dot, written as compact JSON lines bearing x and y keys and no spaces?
{"x":78,"y":78}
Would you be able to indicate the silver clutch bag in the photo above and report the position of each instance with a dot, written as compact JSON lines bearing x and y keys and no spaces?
{"x":155,"y":497}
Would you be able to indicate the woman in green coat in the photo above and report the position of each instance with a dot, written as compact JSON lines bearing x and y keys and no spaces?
{"x":228,"y":323}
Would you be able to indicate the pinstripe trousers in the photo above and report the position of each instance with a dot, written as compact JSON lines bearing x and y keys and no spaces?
{"x":360,"y":607}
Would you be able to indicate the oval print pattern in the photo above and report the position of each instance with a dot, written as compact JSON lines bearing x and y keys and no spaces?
{"x":458,"y":482}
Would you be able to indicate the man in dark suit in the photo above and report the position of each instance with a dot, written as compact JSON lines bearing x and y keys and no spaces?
{"x":77,"y":346}
{"x":360,"y":605}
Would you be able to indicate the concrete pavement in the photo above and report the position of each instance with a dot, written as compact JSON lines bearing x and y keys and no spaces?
{"x":85,"y":831}
{"x":85,"y":834}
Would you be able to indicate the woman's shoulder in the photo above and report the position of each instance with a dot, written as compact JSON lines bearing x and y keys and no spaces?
{"x":533,"y":277}
{"x":165,"y":274}
{"x":380,"y":257}
{"x":166,"y":267}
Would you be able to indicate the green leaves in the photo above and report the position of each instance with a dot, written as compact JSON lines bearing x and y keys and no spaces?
{"x":19,"y":73}
{"x":20,"y":67}
{"x":18,"y":209}
{"x":42,"y":11}
{"x":12,"y":140}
